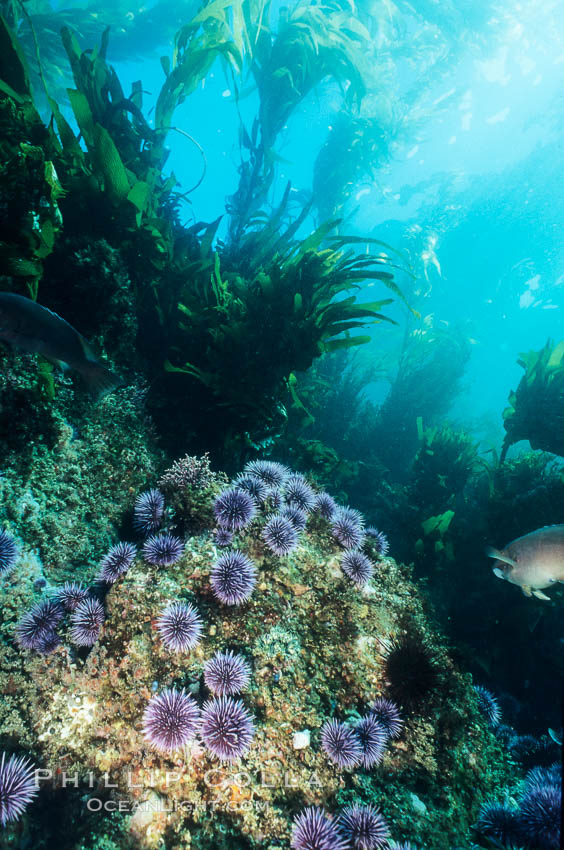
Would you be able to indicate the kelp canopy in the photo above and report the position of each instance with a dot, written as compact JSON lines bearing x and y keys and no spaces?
{"x":222,"y":326}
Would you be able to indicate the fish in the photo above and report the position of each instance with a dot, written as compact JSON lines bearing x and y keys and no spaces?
{"x":532,"y":562}
{"x":29,"y":326}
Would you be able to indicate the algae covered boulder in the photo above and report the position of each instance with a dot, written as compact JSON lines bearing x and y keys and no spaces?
{"x":241,"y":685}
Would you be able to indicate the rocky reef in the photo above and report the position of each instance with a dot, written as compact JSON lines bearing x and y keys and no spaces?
{"x":324,"y":636}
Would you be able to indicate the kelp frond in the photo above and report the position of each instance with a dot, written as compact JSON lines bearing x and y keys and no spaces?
{"x":536,"y":407}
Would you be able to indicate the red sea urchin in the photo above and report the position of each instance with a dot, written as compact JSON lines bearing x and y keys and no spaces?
{"x":17,"y":786}
{"x":226,"y":673}
{"x":364,"y":827}
{"x":233,"y":578}
{"x":412,"y":670}
{"x":180,"y":626}
{"x":313,"y":830}
{"x":170,"y":720}
{"x":227,"y":728}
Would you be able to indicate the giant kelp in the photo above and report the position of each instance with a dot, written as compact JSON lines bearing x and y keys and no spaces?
{"x":536,"y":408}
{"x":232,"y":323}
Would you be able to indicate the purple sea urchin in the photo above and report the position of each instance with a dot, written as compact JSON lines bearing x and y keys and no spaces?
{"x":269,"y":472}
{"x":180,"y":626}
{"x":163,"y":550}
{"x":313,"y":830}
{"x":341,"y":743}
{"x":234,"y":509}
{"x":296,"y":516}
{"x":227,"y":673}
{"x":223,"y":537}
{"x":280,"y":535}
{"x":70,"y":594}
{"x":488,"y":705}
{"x":117,"y":562}
{"x":48,"y":643}
{"x":498,"y":822}
{"x":357,"y":566}
{"x":364,"y":827}
{"x":540,"y":777}
{"x":86,"y":622}
{"x":170,"y":720}
{"x":275,"y":500}
{"x":298,"y":493}
{"x":233,"y":578}
{"x":372,"y":737}
{"x":17,"y":786}
{"x":9,"y":552}
{"x":148,"y":511}
{"x":325,"y":505}
{"x":379,"y":541}
{"x":37,"y":627}
{"x":252,"y":485}
{"x":387,"y":714}
{"x":347,"y":527}
{"x":227,"y":728}
{"x":539,"y":818}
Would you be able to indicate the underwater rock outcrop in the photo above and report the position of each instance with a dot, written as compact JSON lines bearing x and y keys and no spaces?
{"x":281,"y":694}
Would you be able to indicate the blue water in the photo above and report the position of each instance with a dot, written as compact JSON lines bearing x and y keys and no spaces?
{"x":474,"y":179}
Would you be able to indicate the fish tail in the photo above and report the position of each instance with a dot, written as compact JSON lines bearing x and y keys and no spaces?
{"x":99,"y":379}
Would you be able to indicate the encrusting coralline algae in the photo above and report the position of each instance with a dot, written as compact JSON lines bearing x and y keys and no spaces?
{"x":210,"y":665}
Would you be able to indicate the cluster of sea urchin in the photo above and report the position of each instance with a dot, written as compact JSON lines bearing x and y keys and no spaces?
{"x":362,"y":744}
{"x":357,"y":826}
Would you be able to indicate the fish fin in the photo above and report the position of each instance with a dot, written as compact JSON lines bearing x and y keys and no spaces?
{"x":495,"y":553}
{"x":58,"y":364}
{"x":527,"y":590}
{"x":556,"y":736}
{"x":88,"y":350}
{"x":100,"y":379}
{"x":540,"y":595}
{"x":497,"y":572}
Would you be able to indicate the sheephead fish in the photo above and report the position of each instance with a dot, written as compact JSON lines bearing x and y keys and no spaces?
{"x":533,"y":561}
{"x":31,"y":327}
